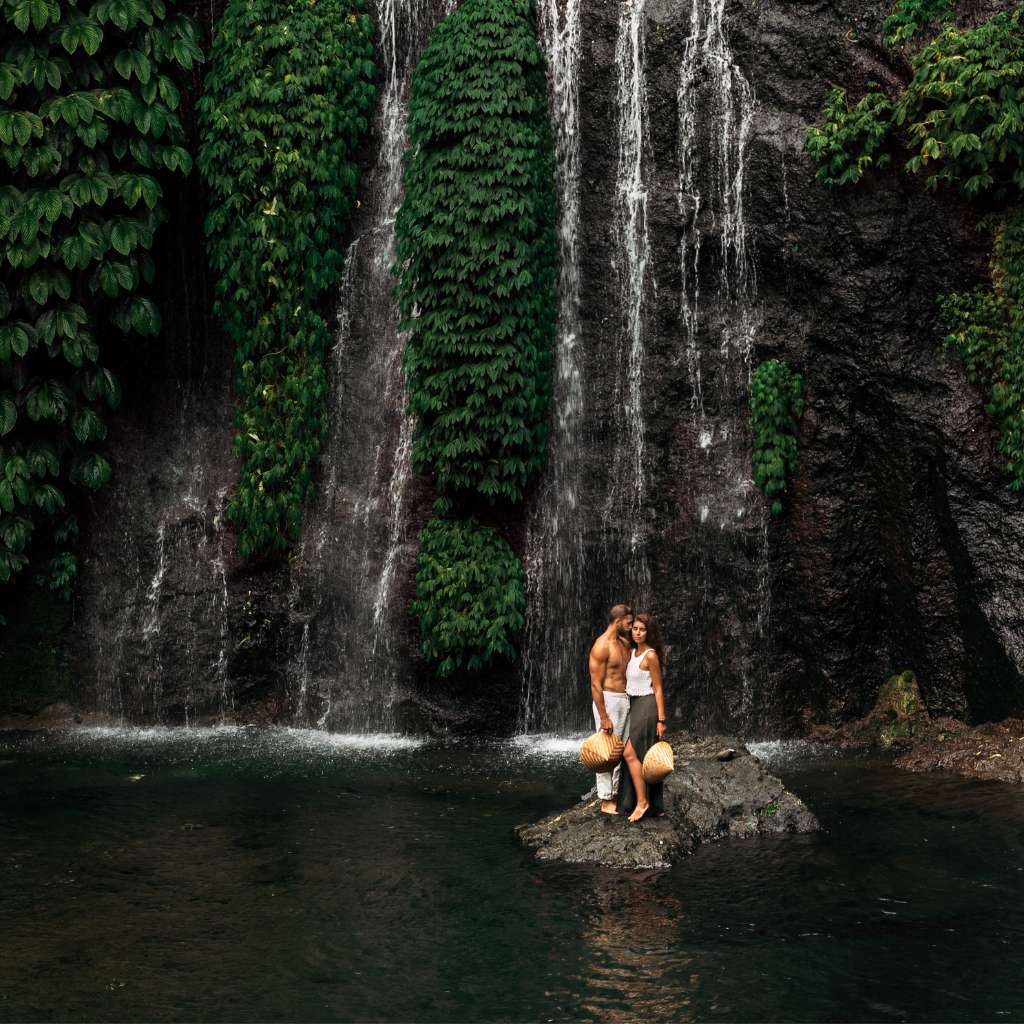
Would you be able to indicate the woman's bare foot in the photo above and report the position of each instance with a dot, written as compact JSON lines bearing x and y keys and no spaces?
{"x":608,"y":806}
{"x":641,"y":810}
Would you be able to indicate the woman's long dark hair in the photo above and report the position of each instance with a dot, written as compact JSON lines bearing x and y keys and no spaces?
{"x":653,"y":636}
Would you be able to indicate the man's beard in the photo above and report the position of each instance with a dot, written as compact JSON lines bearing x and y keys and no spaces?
{"x":624,"y":632}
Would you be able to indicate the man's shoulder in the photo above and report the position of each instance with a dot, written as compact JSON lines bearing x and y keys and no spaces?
{"x":600,"y":646}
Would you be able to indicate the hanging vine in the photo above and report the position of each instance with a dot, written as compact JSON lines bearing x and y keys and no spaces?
{"x":89,"y":129}
{"x":286,"y":103}
{"x":477,"y":267}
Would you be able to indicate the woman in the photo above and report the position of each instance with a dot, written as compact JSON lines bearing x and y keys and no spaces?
{"x":646,"y":719}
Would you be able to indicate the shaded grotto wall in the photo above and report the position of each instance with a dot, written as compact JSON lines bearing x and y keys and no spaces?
{"x":899,"y":548}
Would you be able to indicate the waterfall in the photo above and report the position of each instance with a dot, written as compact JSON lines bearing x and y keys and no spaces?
{"x":559,"y":606}
{"x":720,"y":318}
{"x":554,"y":562}
{"x":174,"y":620}
{"x":359,"y":540}
{"x":625,"y":508}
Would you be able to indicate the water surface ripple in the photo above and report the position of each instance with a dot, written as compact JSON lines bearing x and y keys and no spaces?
{"x":237,"y":875}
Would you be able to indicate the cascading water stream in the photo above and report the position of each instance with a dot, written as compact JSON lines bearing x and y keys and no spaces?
{"x":720,"y":316}
{"x":346,"y":669}
{"x":555,"y":568}
{"x":177,"y":613}
{"x":625,"y":508}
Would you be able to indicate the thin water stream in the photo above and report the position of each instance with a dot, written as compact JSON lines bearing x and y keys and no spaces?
{"x":359,"y":537}
{"x":238,"y":874}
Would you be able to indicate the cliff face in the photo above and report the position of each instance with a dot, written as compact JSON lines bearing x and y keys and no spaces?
{"x":898,"y":545}
{"x":898,"y":548}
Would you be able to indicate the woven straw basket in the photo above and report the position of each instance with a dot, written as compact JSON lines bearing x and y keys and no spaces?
{"x":601,"y":752}
{"x":659,"y":762}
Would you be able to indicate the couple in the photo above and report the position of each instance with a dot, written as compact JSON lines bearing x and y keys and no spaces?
{"x":629,"y":701}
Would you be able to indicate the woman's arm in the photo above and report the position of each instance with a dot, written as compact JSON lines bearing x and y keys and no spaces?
{"x":654,"y":667}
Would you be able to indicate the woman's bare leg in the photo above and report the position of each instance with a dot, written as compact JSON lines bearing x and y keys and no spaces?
{"x":636,"y":771}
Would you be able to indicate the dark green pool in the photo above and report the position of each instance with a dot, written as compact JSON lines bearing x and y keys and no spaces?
{"x":234,"y":875}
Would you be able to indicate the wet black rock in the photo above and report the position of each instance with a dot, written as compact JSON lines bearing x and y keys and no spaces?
{"x":706,"y":800}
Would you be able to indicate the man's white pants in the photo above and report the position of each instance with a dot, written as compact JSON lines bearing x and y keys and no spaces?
{"x":617,"y":706}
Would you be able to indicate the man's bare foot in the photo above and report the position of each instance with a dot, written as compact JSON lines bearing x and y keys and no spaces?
{"x":608,"y":806}
{"x":641,"y":810}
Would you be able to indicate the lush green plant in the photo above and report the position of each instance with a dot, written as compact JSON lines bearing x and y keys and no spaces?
{"x":847,"y":144}
{"x":88,"y":127}
{"x":988,"y":333}
{"x":960,"y":112}
{"x":287,"y":101}
{"x":910,"y":17}
{"x":478,"y":253}
{"x":470,"y":597}
{"x":963,"y":107}
{"x":776,"y":404}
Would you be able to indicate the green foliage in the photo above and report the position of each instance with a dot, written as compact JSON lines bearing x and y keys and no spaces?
{"x":776,"y":404}
{"x":478,"y":253}
{"x":847,"y":144}
{"x":286,"y":103}
{"x":470,"y":597}
{"x":962,"y":113}
{"x":910,"y":17}
{"x":988,"y":334}
{"x":964,"y":107}
{"x":88,"y":129}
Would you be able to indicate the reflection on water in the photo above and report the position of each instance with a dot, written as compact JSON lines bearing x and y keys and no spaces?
{"x":282,"y":875}
{"x":634,"y":967}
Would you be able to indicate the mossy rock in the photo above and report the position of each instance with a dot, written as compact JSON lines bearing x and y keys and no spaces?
{"x":894,"y":734}
{"x":900,"y":696}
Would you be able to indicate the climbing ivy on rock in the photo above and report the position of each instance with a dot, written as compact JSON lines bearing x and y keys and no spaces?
{"x":477,"y":267}
{"x":478,"y":253}
{"x":89,"y":129}
{"x":961,"y":115}
{"x":470,"y":597}
{"x":988,"y":334}
{"x":911,"y":17}
{"x":286,"y":103}
{"x":776,"y":405}
{"x":847,"y":145}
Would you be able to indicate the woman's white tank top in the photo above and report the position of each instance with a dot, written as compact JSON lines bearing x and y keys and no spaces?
{"x":638,"y":680}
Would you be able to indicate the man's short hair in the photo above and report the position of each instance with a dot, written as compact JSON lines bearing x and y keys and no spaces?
{"x":618,"y":611}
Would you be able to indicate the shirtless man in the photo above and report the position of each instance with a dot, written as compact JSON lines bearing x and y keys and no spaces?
{"x":608,"y":659}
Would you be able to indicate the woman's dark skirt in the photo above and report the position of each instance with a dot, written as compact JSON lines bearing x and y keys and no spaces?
{"x":643,"y":734}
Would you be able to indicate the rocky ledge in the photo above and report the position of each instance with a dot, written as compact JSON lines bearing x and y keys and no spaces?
{"x":900,"y":722}
{"x":719,"y":790}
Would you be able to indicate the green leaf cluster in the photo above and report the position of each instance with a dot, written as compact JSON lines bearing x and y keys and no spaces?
{"x":478,"y":269}
{"x":961,"y":113}
{"x":470,"y":596}
{"x":478,"y":252}
{"x":89,"y":128}
{"x":987,"y":331}
{"x":286,"y":102}
{"x":963,"y":109}
{"x":911,"y":17}
{"x":847,"y":144}
{"x":776,"y":404}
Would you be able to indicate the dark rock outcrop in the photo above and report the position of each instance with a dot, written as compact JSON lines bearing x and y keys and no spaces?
{"x":994,"y":751}
{"x":706,"y":799}
{"x":899,"y":722}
